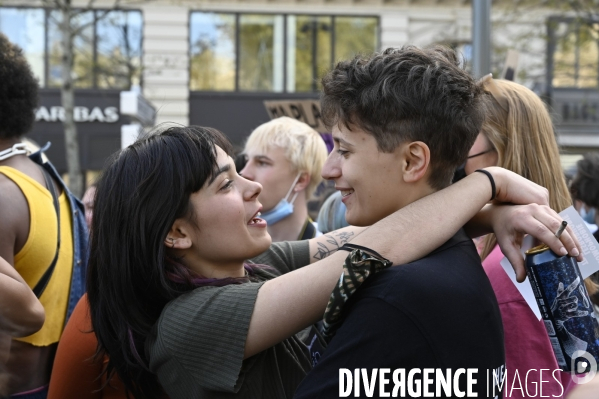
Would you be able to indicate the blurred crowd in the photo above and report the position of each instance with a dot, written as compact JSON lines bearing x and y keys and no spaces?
{"x":191,"y":270}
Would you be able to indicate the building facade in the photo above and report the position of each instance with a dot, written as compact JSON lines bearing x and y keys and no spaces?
{"x":214,"y":63}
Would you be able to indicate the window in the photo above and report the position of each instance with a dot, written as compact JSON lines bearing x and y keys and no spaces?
{"x":273,"y":52}
{"x":212,"y":45}
{"x":83,"y":49}
{"x":107,"y":50}
{"x":261,"y":53}
{"x":575,"y":45}
{"x":355,"y":35}
{"x":309,"y":51}
{"x":118,"y":50}
{"x":25,"y":27}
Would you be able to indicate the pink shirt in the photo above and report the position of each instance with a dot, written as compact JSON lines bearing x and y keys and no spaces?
{"x":527,"y":346}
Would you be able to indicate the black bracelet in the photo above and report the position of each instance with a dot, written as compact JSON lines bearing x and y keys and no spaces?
{"x":490,"y":176}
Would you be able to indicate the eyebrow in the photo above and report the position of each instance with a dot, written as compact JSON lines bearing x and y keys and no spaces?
{"x":262,"y":158}
{"x":221,"y":170}
{"x":341,"y":141}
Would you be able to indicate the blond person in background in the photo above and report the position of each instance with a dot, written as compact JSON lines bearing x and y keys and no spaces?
{"x":286,"y":156}
{"x":518,"y":135}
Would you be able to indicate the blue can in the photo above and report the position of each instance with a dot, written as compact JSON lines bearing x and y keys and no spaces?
{"x":566,"y":309}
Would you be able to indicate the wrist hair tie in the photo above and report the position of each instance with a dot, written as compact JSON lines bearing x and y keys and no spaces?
{"x":490,"y":176}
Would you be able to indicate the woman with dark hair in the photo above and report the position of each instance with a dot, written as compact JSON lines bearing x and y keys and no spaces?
{"x":175,"y":304}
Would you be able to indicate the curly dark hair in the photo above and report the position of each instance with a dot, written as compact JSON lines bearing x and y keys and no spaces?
{"x":585,"y":185}
{"x":409,"y":94}
{"x":18,"y":91}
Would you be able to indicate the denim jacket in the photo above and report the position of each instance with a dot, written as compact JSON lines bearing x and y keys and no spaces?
{"x":80,"y":234}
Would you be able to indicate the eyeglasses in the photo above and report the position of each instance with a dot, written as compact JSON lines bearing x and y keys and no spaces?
{"x":481,"y":153}
{"x":490,"y":86}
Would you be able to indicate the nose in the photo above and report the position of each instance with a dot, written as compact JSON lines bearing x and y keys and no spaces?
{"x":252,"y":190}
{"x":331,"y":168}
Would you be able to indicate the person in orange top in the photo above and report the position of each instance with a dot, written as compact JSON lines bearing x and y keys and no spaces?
{"x":76,"y":372}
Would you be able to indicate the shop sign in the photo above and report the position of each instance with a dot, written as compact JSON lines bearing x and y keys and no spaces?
{"x":80,"y":114}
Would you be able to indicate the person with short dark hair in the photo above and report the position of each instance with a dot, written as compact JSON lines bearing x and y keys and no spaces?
{"x":42,"y":227}
{"x":402,"y":121}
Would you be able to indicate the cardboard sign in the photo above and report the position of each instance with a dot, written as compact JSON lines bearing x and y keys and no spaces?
{"x":307,"y":111}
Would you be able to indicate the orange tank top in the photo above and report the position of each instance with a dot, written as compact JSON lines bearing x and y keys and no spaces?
{"x":32,"y":261}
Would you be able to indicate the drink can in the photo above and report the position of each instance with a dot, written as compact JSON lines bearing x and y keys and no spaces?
{"x":566,"y":308}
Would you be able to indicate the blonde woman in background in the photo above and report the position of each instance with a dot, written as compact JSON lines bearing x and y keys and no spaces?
{"x":518,"y":135}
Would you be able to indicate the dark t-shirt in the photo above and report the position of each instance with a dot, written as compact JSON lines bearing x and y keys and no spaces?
{"x":436,"y":313}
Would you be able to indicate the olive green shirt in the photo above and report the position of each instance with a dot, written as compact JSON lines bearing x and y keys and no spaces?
{"x":196,"y":347}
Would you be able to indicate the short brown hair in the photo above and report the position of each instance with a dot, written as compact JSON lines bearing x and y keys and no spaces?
{"x":409,"y":94}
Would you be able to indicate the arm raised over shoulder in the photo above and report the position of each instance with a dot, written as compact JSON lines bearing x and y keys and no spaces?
{"x":297,"y":299}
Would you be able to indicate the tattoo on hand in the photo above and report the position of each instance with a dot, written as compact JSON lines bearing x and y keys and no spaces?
{"x":336,"y":241}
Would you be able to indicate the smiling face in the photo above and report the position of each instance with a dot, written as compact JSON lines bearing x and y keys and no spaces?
{"x":371,"y":182}
{"x":273,"y":171}
{"x":224,"y":229}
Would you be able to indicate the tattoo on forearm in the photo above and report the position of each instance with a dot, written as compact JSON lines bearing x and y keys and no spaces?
{"x":335,"y":241}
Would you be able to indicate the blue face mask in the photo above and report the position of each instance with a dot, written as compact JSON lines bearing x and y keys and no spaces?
{"x":283,"y":209}
{"x":589,"y":216}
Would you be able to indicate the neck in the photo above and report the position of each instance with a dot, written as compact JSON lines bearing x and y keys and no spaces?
{"x":415,"y":192}
{"x":208,"y":268}
{"x":217,"y":270}
{"x":289,"y":228}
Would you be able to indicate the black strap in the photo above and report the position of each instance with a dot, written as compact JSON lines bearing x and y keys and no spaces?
{"x":39,"y":288}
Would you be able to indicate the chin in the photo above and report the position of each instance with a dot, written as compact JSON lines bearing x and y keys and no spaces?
{"x":260,"y":246}
{"x":358,"y":220}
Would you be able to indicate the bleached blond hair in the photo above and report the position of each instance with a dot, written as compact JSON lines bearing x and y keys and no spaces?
{"x":304,"y":147}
